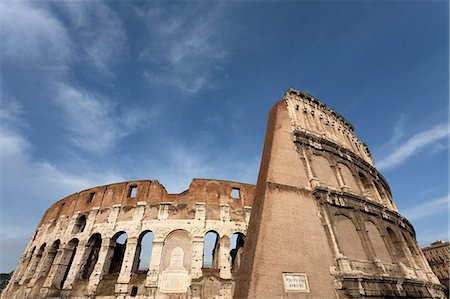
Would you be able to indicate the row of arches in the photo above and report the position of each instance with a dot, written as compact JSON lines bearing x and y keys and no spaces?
{"x":211,"y":250}
{"x":45,"y":260}
{"x":387,"y":245}
{"x":340,"y":175}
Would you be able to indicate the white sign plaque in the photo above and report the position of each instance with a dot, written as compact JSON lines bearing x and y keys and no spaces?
{"x":295,"y":282}
{"x":175,"y":277}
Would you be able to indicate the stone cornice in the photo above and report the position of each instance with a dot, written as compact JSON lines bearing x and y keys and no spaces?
{"x":312,"y":140}
{"x":352,"y":201}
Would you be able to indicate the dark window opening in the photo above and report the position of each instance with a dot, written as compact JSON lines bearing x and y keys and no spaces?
{"x":119,"y":245}
{"x":91,"y":197}
{"x":134,"y":291}
{"x":236,"y":245}
{"x":80,"y":224}
{"x":236,"y":193}
{"x":69,"y":253}
{"x":132,"y":192}
{"x":94,"y":245}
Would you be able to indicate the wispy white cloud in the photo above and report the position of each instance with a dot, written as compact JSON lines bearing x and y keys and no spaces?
{"x":34,"y":184}
{"x":428,"y":208}
{"x":414,"y":145}
{"x":33,"y":39}
{"x":98,"y":33}
{"x":185,"y":48}
{"x":95,"y":122}
{"x":185,"y":161}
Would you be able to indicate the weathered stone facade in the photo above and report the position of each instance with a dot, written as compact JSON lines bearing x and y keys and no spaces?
{"x":438,"y":256}
{"x":74,"y":253}
{"x":323,"y":221}
{"x":323,"y":225}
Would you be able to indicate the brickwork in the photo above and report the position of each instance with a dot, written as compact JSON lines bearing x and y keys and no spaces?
{"x":321,"y":223}
{"x":74,"y":248}
{"x":323,"y":213}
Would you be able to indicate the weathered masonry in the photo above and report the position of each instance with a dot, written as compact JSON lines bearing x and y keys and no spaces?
{"x":323,"y":225}
{"x":89,"y":244}
{"x":323,"y":221}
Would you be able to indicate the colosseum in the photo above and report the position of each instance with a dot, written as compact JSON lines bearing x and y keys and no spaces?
{"x":320,"y":223}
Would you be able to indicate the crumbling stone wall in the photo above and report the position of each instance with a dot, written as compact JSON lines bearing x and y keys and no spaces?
{"x":75,"y":251}
{"x":323,"y":223}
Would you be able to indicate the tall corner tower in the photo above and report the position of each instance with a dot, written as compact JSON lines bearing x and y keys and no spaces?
{"x":323,"y":222}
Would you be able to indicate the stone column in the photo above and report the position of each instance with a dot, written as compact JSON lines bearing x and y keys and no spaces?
{"x":103,"y":262}
{"x":127,"y":267}
{"x":39,"y":268}
{"x":29,"y":268}
{"x":76,"y":265}
{"x":153,"y":270}
{"x":224,"y":255}
{"x":52,"y":273}
{"x":197,"y":256}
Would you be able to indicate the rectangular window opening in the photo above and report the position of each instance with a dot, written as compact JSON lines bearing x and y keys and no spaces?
{"x":236,"y":193}
{"x":91,"y":197}
{"x":133,"y":191}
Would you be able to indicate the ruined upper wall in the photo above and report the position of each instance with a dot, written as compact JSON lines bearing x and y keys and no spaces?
{"x":211,"y":192}
{"x":311,"y":115}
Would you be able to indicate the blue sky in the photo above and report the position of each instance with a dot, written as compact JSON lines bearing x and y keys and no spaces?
{"x":98,"y":92}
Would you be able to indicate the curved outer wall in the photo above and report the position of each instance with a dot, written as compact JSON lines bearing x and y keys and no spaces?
{"x":324,"y":215}
{"x":75,"y":251}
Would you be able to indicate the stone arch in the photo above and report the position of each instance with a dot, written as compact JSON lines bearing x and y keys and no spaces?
{"x":349,"y":241}
{"x":237,"y":243}
{"x":397,"y":247}
{"x":323,"y":171}
{"x":93,"y":247}
{"x":143,"y":253}
{"x":65,"y":263}
{"x":80,"y":224}
{"x":211,"y":250}
{"x":48,"y":262}
{"x":29,"y":257}
{"x":381,"y":193}
{"x":348,"y":177}
{"x":33,"y":265}
{"x":413,"y":248}
{"x":118,"y":246}
{"x":177,"y":238}
{"x":378,"y":244}
{"x":367,"y":187}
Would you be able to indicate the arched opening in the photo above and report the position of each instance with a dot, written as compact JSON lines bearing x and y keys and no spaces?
{"x":349,"y":241}
{"x":349,"y":179}
{"x":80,"y":224}
{"x":236,"y":246}
{"x":367,"y":188}
{"x":35,"y":263}
{"x":66,"y":262}
{"x":210,"y":250}
{"x":91,"y":256}
{"x":118,"y":245}
{"x":29,"y":257}
{"x":53,"y":250}
{"x":143,"y":255}
{"x":323,"y":171}
{"x":399,"y":253}
{"x":377,"y":242}
{"x":414,"y":250}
